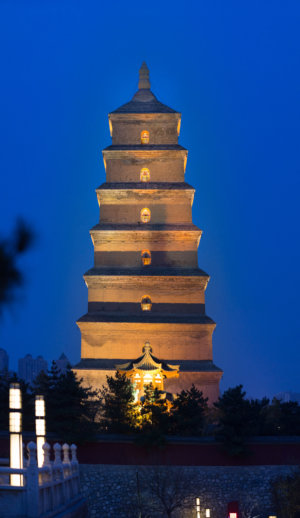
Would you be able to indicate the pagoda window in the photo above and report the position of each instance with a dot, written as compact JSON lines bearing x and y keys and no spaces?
{"x":146,"y":303}
{"x":145,"y":215}
{"x":146,"y":257}
{"x":145,"y":136}
{"x":145,"y":174}
{"x":147,"y":378}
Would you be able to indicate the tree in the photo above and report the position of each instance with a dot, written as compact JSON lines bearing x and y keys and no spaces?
{"x":168,"y":490}
{"x":188,"y":412}
{"x":154,"y":417}
{"x":118,"y":411}
{"x":234,"y":424}
{"x":286,"y":495}
{"x":71,"y":408}
{"x":283,"y":418}
{"x":11,"y":276}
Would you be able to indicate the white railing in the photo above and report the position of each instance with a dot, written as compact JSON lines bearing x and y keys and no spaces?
{"x":50,"y":488}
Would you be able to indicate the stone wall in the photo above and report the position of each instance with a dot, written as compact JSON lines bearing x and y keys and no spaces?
{"x":112,"y":490}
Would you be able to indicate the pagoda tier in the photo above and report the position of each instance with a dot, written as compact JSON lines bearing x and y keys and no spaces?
{"x":146,"y":285}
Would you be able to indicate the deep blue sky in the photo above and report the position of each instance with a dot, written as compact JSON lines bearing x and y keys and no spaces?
{"x":232,"y":69}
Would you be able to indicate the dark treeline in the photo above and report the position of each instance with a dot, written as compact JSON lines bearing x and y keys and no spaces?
{"x":76,"y":413}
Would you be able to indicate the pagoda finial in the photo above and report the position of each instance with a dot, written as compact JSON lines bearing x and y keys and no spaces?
{"x":147,"y":347}
{"x":144,"y":82}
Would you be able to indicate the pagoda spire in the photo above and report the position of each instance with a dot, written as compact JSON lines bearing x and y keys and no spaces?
{"x":144,"y":82}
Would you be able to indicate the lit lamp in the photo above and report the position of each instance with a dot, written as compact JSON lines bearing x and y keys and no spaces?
{"x":207,"y":513}
{"x":15,"y":432}
{"x":198,"y":507}
{"x":40,"y":428}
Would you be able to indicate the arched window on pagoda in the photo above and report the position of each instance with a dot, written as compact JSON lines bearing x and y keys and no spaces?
{"x":146,"y":257}
{"x":145,"y":215}
{"x":146,"y":303}
{"x":145,"y":174}
{"x":145,"y":137}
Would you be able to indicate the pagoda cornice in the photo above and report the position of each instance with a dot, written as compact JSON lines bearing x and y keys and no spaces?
{"x":140,"y":117}
{"x":167,"y":237}
{"x":142,"y":153}
{"x":156,"y":321}
{"x":135,"y":280}
{"x":128,"y":195}
{"x":120,"y":227}
{"x":150,"y":271}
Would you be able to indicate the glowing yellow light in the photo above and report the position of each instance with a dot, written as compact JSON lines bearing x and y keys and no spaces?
{"x":15,"y":398}
{"x":207,"y":513}
{"x":145,"y":174}
{"x":145,"y":215}
{"x":15,"y":428}
{"x":145,"y":137}
{"x":39,"y":406}
{"x":146,"y":303}
{"x":15,"y":422}
{"x":146,"y":257}
{"x":232,"y":515}
{"x":40,"y":428}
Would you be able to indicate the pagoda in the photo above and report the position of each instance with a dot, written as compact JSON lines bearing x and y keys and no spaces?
{"x":146,"y":289}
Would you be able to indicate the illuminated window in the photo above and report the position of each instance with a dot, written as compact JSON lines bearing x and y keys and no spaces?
{"x":146,"y":303}
{"x":145,"y":137}
{"x":147,"y":378}
{"x":145,"y":175}
{"x":146,"y":257}
{"x":145,"y":215}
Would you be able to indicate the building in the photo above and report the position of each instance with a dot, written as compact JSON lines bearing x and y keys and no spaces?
{"x":62,"y":363}
{"x":4,"y":361}
{"x":29,"y":368}
{"x":146,"y":286}
{"x":286,"y":397}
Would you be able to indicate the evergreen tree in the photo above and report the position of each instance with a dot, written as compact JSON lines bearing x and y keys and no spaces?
{"x":119,"y":413}
{"x":188,"y":412}
{"x":155,"y":417}
{"x":283,"y":418}
{"x":70,"y":408}
{"x":233,"y":424}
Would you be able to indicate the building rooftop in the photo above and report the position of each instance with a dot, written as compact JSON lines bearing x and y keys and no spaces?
{"x":144,"y":101}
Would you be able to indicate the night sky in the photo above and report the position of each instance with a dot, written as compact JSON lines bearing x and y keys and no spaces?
{"x":232,"y":69}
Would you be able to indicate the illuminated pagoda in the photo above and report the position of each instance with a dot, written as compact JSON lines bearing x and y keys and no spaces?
{"x":146,"y":285}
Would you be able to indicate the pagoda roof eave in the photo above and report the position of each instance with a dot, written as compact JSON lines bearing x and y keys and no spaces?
{"x":145,"y":147}
{"x":115,"y":186}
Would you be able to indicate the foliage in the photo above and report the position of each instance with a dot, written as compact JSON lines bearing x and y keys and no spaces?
{"x":188,"y":412}
{"x":118,"y":411}
{"x":11,"y":276}
{"x":70,"y":407}
{"x":154,"y":417}
{"x":283,"y":418}
{"x":286,"y":495}
{"x":233,"y":424}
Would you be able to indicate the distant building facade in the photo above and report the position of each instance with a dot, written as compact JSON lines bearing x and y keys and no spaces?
{"x":29,"y":368}
{"x":286,"y":397}
{"x":4,"y":360}
{"x":62,"y":363}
